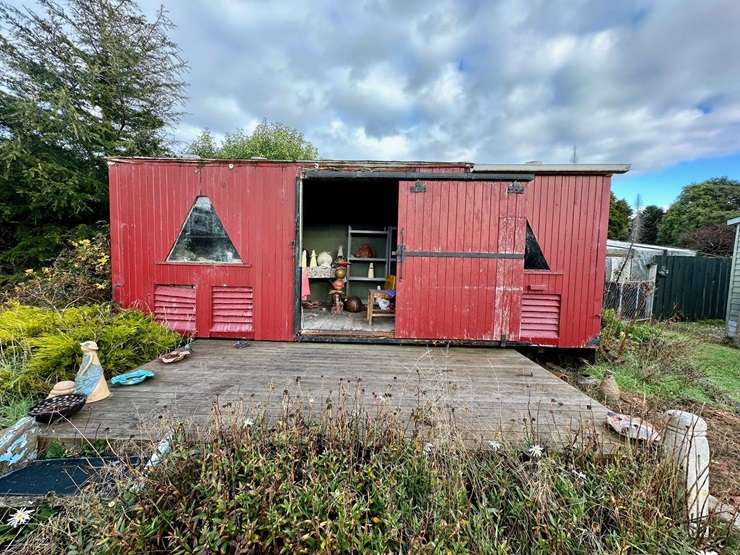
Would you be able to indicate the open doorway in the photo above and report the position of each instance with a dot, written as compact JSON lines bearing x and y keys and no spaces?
{"x":348,"y":267}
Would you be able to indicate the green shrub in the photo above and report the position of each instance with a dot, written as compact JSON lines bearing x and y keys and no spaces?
{"x":39,"y":347}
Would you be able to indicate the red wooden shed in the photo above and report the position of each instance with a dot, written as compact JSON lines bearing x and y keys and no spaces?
{"x":500,"y":254}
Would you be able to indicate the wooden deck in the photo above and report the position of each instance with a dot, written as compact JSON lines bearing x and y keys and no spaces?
{"x":481,"y":393}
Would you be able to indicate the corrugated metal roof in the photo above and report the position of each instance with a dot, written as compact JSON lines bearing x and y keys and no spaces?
{"x":554,"y":168}
{"x":613,"y":246}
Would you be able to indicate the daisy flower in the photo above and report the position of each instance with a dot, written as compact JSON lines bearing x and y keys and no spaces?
{"x":428,"y":448}
{"x":494,"y":445}
{"x":20,"y":517}
{"x":536,"y":451}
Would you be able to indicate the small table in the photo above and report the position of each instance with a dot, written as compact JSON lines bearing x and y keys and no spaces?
{"x":373,"y":294}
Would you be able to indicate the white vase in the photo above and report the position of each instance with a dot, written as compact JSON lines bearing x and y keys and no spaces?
{"x":371,"y":271}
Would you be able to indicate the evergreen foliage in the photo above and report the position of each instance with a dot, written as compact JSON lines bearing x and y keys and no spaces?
{"x":620,"y":214}
{"x":79,"y":81}
{"x":710,"y":202}
{"x":650,"y":219}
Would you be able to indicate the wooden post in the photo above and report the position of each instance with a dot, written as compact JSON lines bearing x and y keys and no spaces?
{"x":686,"y":443}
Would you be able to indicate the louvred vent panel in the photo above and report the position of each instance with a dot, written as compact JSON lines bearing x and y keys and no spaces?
{"x":174,"y":306}
{"x":233,"y":310}
{"x":540,"y":316}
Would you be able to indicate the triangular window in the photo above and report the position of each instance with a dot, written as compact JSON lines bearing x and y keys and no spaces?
{"x":203,"y":237}
{"x":533,"y":257}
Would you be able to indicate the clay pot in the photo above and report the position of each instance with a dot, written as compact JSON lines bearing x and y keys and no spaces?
{"x":353,"y":304}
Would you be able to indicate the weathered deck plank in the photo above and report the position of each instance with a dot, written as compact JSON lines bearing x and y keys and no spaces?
{"x":486,"y":393}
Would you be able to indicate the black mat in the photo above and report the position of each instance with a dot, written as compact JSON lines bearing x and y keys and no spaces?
{"x":61,"y":476}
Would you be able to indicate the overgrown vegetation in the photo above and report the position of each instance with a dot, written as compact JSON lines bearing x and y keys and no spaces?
{"x":356,"y":484}
{"x":79,"y":275}
{"x":679,"y":365}
{"x":40,"y":346}
{"x":670,"y":360}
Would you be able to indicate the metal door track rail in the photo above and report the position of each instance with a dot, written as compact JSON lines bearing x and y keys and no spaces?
{"x":428,"y":176}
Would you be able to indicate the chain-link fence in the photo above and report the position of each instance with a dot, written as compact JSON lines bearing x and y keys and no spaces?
{"x":630,"y":285}
{"x":631,"y":300}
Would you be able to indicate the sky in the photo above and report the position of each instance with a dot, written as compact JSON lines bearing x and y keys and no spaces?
{"x":653,"y":83}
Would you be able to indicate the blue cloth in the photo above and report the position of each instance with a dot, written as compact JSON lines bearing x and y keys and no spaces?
{"x":132,"y":378}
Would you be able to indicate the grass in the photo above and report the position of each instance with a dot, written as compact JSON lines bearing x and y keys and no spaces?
{"x":348,"y":482}
{"x":673,"y":362}
{"x":679,"y":365}
{"x":13,"y":408}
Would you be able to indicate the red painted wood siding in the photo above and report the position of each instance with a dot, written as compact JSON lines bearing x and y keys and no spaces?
{"x":256,"y":204}
{"x":460,"y":297}
{"x":255,"y":201}
{"x":569,"y":216}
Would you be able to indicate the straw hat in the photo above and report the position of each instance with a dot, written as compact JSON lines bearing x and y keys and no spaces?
{"x":66,"y":387}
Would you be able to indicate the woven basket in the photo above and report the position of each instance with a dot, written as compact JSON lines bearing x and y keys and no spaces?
{"x":60,"y":406}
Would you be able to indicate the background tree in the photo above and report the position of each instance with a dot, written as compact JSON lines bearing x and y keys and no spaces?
{"x":650,"y":219}
{"x":715,"y":239}
{"x":620,"y":214}
{"x":270,"y":140}
{"x":711,"y":202}
{"x":79,"y":81}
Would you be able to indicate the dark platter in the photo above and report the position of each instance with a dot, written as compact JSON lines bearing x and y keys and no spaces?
{"x":60,"y":406}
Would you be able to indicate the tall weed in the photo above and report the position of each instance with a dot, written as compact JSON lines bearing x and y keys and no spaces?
{"x":355,"y":483}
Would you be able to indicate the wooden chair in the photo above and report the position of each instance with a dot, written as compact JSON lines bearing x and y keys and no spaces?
{"x":373,"y":294}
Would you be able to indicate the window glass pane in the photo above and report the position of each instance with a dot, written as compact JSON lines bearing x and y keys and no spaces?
{"x":533,"y":257}
{"x":203,"y":237}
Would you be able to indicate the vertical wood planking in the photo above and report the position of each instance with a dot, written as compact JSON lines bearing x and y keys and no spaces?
{"x":149,"y":203}
{"x":460,"y":297}
{"x":569,"y":215}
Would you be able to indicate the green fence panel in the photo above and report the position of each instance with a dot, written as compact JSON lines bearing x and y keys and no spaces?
{"x":691,"y":287}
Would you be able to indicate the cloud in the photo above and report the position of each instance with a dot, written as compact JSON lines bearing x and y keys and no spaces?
{"x":647,"y":82}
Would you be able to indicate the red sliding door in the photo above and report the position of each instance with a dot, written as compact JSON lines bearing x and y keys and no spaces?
{"x":461,"y":260}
